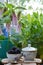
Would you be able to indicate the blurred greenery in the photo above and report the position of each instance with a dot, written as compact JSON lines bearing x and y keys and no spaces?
{"x":9,"y":9}
{"x":32,"y":30}
{"x":1,"y":5}
{"x":2,"y":37}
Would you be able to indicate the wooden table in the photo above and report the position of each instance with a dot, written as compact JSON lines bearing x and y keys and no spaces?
{"x":22,"y":61}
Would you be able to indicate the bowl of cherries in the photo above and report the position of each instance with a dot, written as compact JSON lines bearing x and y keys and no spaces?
{"x":14,"y":54}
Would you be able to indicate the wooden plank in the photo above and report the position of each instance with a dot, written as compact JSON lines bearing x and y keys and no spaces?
{"x":5,"y":61}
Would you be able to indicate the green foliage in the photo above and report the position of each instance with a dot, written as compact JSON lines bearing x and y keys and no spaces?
{"x":32,"y":30}
{"x":7,"y":19}
{"x":8,"y":10}
{"x":1,"y":5}
{"x":16,"y":40}
{"x":2,"y":37}
{"x":1,"y":21}
{"x":20,"y":1}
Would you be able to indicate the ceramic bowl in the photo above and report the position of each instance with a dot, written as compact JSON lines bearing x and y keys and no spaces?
{"x":29,"y":53}
{"x":13,"y":56}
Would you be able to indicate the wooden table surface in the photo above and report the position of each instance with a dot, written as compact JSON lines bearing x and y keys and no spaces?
{"x":36,"y":61}
{"x":23,"y":64}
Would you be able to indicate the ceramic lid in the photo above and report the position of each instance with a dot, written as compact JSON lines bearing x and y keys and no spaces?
{"x":29,"y":48}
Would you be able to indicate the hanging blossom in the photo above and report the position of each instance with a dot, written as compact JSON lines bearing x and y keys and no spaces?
{"x":15,"y":23}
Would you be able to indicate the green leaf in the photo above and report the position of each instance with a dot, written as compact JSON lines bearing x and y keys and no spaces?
{"x":7,"y":19}
{"x":1,"y":5}
{"x":10,"y":6}
{"x":19,"y":7}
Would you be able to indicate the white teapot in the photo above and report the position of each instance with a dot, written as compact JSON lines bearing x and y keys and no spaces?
{"x":29,"y":52}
